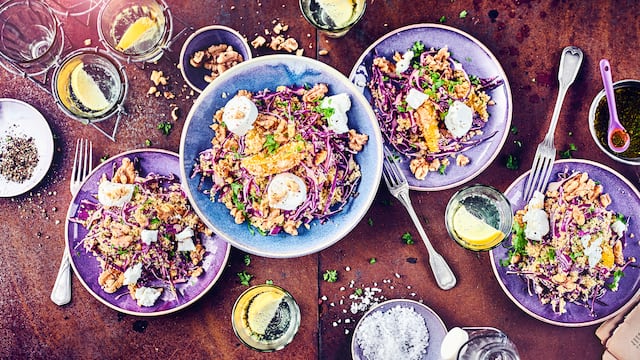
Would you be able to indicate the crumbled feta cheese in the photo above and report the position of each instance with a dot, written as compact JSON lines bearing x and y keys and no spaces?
{"x":458,"y":119}
{"x":340,"y":103}
{"x":146,"y":296}
{"x":592,"y":249}
{"x":415,"y":98}
{"x":405,"y":62}
{"x":618,"y":227}
{"x":186,"y":245}
{"x":537,"y":223}
{"x":239,"y":115}
{"x":149,"y":236}
{"x":132,"y":274}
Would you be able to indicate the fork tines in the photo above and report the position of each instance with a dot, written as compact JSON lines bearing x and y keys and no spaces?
{"x":82,"y":163}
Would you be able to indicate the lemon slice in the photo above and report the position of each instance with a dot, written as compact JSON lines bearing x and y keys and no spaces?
{"x":142,"y":29}
{"x":262,"y":309}
{"x":339,"y":11}
{"x":474,"y":231}
{"x":86,"y":90}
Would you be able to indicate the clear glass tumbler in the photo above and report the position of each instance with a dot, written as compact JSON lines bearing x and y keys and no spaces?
{"x":135,"y":30}
{"x":487,"y":343}
{"x":333,"y":17}
{"x":32,"y":38}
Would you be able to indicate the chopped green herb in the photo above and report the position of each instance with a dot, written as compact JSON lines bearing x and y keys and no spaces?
{"x":617,"y":275}
{"x":463,"y":14}
{"x":407,"y":238}
{"x":514,"y":130}
{"x":147,"y":143}
{"x":442,"y":168}
{"x":270,"y":144}
{"x":269,"y":282}
{"x":551,"y":254}
{"x":236,"y":188}
{"x":244,"y":278}
{"x":325,"y":111}
{"x":370,"y":222}
{"x":567,"y":154}
{"x":372,"y":260}
{"x":330,"y":276}
{"x":165,"y":127}
{"x":622,"y":218}
{"x":247,"y":259}
{"x":442,"y":19}
{"x":357,"y":292}
{"x":104,"y":158}
{"x":417,"y":48}
{"x":512,"y":162}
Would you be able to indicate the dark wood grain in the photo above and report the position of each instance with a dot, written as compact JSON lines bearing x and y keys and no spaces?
{"x":526,"y":36}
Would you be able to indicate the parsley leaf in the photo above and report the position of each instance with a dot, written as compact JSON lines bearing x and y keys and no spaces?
{"x":357,"y":292}
{"x":270,"y":144}
{"x":165,"y":127}
{"x":247,"y":259}
{"x":617,"y":275}
{"x":372,"y":260}
{"x":407,"y":238}
{"x":512,"y":162}
{"x":567,"y":154}
{"x":463,"y":14}
{"x":244,"y":278}
{"x":330,"y":276}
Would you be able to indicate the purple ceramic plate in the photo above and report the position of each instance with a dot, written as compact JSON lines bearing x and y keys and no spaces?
{"x":477,"y":60}
{"x":626,"y":200}
{"x":435,"y":326}
{"x":87,"y":268}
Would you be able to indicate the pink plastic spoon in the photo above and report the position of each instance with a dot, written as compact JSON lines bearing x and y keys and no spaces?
{"x":617,"y":137}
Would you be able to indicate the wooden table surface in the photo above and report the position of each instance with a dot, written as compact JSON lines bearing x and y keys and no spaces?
{"x":526,"y":37}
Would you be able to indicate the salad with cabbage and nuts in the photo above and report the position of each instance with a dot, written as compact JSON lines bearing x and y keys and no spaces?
{"x":568,"y":246}
{"x":144,"y":234}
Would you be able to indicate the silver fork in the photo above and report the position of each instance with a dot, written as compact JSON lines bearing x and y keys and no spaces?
{"x":399,"y":188}
{"x":82,"y":166}
{"x":570,"y":61}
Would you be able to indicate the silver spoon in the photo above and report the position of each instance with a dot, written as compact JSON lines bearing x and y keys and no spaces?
{"x":618,"y":138}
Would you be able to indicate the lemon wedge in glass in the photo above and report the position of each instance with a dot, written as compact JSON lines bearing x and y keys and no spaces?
{"x":86,"y":90}
{"x":142,"y":29}
{"x":262,"y":309}
{"x":339,"y":11}
{"x":475,"y":232}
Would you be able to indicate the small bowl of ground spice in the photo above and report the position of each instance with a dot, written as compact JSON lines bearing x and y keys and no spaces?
{"x":209,"y":52}
{"x":627,"y":96}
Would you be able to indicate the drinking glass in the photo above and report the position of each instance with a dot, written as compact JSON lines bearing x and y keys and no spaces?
{"x":89,"y":85}
{"x":31,"y":37}
{"x":333,"y":17}
{"x":135,"y":30}
{"x":472,"y":206}
{"x":487,"y":343}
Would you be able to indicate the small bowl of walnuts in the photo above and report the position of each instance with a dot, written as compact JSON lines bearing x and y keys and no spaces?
{"x":209,"y":52}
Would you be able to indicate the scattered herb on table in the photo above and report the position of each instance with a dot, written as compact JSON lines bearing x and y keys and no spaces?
{"x":165,"y":127}
{"x":372,"y":260}
{"x":512,"y":162}
{"x":358,"y":292}
{"x":567,"y":154}
{"x":269,"y":282}
{"x":247,"y":259}
{"x":104,"y":158}
{"x":244,"y":278}
{"x":370,"y":222}
{"x":147,"y":143}
{"x":442,"y":19}
{"x":407,"y":238}
{"x":463,"y":14}
{"x":514,"y":130}
{"x":330,"y":276}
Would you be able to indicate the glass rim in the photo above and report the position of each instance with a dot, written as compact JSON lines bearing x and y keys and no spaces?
{"x":337,"y":30}
{"x":154,"y":53}
{"x":58,"y":34}
{"x":124,"y":84}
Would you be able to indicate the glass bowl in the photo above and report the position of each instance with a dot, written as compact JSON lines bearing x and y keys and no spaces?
{"x":478,"y":217}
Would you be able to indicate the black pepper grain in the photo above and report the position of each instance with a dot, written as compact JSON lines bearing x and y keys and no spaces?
{"x":18,"y":158}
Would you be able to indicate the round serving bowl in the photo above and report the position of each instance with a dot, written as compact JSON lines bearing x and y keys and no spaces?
{"x":274,"y":71}
{"x":201,"y":40}
{"x":627,"y":93}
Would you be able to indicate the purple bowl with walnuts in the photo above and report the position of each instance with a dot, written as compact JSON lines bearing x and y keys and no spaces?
{"x":210,"y":51}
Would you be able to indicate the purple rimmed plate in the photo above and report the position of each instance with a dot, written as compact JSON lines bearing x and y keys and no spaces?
{"x":86,"y":266}
{"x":626,"y":200}
{"x":477,"y":60}
{"x":435,"y":326}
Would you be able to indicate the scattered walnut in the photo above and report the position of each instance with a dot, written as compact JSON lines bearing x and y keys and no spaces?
{"x":258,"y":41}
{"x":462,"y":160}
{"x":175,"y":113}
{"x":87,"y":42}
{"x":152,"y":90}
{"x":216,"y":58}
{"x":158,"y":78}
{"x":289,"y":45}
{"x":323,"y":52}
{"x":299,"y":52}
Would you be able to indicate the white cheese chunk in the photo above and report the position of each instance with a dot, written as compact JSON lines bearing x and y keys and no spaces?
{"x":405,"y":62}
{"x":239,"y":115}
{"x":338,"y":123}
{"x":148,"y":236}
{"x":592,"y":249}
{"x":286,"y":191}
{"x":339,"y":102}
{"x":185,"y":234}
{"x":458,"y":119}
{"x":132,"y":274}
{"x":415,"y":98}
{"x":114,"y":194}
{"x":618,"y":227}
{"x":537,"y":223}
{"x":185,"y":240}
{"x":146,"y":296}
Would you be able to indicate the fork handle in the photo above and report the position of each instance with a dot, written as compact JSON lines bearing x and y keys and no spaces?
{"x":61,"y":293}
{"x":441,"y":271}
{"x":570,"y":62}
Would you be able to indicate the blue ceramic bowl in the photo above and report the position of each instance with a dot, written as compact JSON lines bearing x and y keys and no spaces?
{"x":203,"y":38}
{"x":276,"y":70}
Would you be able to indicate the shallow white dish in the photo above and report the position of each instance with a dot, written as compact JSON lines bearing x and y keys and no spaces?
{"x":19,"y":119}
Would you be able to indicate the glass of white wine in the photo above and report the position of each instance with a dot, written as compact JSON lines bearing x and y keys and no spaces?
{"x":89,"y":85}
{"x":135,"y":31}
{"x":333,"y":17}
